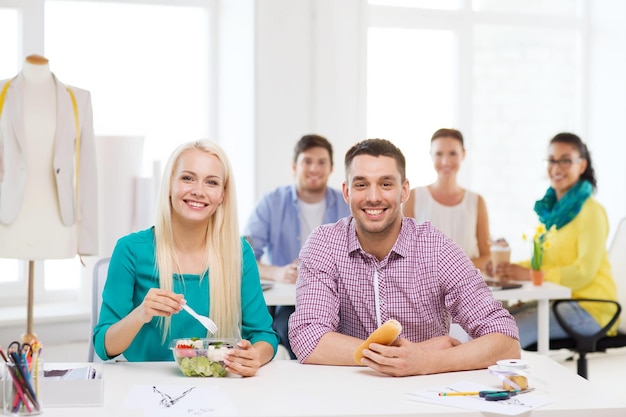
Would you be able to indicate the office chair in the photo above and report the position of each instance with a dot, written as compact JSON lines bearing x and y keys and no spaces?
{"x":100,"y":270}
{"x":598,"y":342}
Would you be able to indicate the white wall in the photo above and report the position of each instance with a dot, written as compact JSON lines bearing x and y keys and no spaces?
{"x":235,"y":113}
{"x":308,"y":80}
{"x":607,"y":104}
{"x":339,"y":76}
{"x":283,"y":89}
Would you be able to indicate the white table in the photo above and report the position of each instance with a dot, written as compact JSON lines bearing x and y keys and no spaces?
{"x":287,"y":388}
{"x":285,"y":294}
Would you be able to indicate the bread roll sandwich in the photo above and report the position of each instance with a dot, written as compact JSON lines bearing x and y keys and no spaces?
{"x":384,"y":335}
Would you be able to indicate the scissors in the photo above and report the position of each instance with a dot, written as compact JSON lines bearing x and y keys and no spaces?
{"x":21,"y":353}
{"x":21,"y":348}
{"x":501,"y":394}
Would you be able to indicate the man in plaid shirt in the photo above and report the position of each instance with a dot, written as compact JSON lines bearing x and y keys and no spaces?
{"x":377,"y":265}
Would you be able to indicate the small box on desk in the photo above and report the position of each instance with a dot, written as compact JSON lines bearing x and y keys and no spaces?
{"x":72,"y":385}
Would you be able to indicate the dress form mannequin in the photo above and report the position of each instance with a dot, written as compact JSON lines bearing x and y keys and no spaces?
{"x":48,"y":202}
{"x":38,"y":232}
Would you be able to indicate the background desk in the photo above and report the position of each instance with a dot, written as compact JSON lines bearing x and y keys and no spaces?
{"x":285,"y":294}
{"x":287,"y":388}
{"x":280,"y":294}
{"x":543,"y":294}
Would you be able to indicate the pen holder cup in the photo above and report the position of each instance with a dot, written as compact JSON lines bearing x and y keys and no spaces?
{"x":21,"y":390}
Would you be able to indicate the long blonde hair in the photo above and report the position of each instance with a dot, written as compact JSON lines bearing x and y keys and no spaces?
{"x":223,"y":245}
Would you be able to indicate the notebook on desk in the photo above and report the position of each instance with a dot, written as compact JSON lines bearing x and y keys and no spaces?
{"x":495,"y":285}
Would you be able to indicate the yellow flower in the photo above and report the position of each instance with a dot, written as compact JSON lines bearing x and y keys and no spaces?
{"x":540,"y":242}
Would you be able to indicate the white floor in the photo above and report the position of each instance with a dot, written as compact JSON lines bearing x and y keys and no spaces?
{"x":604,"y":369}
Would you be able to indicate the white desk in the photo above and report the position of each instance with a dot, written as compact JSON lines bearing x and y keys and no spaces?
{"x":285,"y":294}
{"x":287,"y":388}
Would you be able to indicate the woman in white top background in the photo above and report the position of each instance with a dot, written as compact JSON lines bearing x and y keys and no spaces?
{"x":459,"y":213}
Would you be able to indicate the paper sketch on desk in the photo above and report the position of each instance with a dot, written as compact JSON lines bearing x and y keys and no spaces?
{"x":518,"y":404}
{"x":180,"y":400}
{"x":169,"y":401}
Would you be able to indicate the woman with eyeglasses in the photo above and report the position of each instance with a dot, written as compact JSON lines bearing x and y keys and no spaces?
{"x":459,"y":213}
{"x":575,"y":254}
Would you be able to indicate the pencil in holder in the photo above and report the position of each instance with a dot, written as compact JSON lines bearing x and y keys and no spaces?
{"x":21,"y":389}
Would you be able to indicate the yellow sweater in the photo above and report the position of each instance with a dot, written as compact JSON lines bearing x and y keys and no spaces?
{"x":577,"y":258}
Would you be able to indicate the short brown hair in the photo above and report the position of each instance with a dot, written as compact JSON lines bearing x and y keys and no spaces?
{"x":377,"y":147}
{"x":307,"y":142}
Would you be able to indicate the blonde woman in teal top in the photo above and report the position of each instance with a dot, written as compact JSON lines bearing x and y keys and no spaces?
{"x":193,"y":255}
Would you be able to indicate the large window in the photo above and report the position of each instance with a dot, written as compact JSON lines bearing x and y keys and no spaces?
{"x":408,"y":100}
{"x":147,"y":67}
{"x":423,"y":4}
{"x":527,"y":86}
{"x":10,"y":277}
{"x":508,"y":74}
{"x":9,"y":33}
{"x":568,"y":8}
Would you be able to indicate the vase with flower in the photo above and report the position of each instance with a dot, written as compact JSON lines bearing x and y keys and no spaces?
{"x":540,"y":242}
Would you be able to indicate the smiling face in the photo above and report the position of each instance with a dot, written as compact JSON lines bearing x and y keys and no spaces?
{"x":375,"y":191}
{"x":565,"y":166}
{"x":312,"y":168}
{"x":197,"y":186}
{"x":447,"y":154}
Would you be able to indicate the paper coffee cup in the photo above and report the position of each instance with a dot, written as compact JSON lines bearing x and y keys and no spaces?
{"x":499,"y":254}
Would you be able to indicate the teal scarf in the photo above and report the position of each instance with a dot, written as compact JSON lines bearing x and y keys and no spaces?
{"x":559,"y":213}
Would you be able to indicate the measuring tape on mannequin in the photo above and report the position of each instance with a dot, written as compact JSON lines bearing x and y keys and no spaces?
{"x":512,"y":372}
{"x":3,"y":94}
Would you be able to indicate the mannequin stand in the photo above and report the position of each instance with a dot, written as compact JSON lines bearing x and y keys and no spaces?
{"x":30,"y":334}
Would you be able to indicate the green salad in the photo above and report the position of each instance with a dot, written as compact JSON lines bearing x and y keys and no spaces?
{"x":202,"y":357}
{"x":201,"y":366}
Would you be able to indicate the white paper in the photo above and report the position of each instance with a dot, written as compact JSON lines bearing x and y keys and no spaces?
{"x":182,"y":399}
{"x":79,"y":373}
{"x":517,"y":404}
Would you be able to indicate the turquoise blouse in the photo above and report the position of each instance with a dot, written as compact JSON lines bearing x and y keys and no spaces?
{"x":131,"y":275}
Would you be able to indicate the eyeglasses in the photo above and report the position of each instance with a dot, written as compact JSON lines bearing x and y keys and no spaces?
{"x":563,"y":163}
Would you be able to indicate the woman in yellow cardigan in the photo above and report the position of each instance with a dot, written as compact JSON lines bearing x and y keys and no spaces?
{"x":576,"y":255}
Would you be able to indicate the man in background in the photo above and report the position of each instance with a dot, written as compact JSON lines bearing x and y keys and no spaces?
{"x":283,"y":218}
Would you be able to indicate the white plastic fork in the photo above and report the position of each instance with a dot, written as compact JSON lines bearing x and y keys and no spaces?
{"x":206,"y":321}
